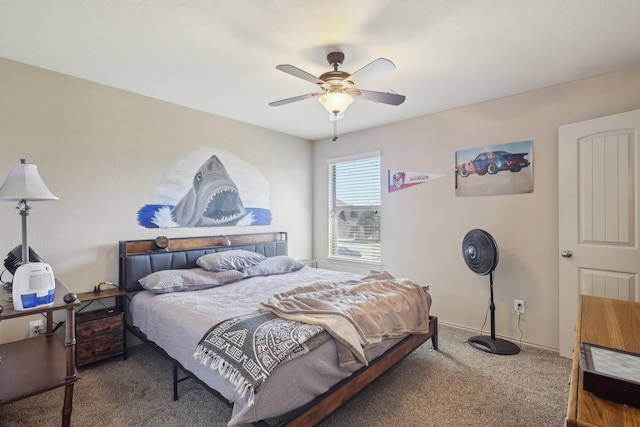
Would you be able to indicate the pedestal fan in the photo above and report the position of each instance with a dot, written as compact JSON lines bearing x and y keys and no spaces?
{"x":480,"y":252}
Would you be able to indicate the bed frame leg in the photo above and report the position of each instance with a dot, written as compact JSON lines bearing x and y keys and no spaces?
{"x":434,"y":338}
{"x":175,"y":381}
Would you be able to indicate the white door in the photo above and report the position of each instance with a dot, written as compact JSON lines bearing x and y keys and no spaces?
{"x":598,"y":194}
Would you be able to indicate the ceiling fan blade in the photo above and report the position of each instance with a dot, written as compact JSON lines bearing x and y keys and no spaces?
{"x":294,"y":99}
{"x":381,"y":97}
{"x":372,"y":69}
{"x":297,"y":72}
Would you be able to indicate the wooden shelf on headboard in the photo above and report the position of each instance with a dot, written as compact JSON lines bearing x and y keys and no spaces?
{"x":184,"y":243}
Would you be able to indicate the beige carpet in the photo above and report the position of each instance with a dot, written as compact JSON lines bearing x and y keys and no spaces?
{"x":455,"y":386}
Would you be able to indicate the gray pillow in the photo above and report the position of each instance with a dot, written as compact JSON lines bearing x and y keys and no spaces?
{"x":188,"y":279}
{"x":275,"y":265}
{"x":235,"y":259}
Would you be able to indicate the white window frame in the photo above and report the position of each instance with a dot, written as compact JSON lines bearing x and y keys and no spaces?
{"x":358,"y":243}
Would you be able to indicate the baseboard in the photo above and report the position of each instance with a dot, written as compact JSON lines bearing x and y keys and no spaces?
{"x":515,"y":340}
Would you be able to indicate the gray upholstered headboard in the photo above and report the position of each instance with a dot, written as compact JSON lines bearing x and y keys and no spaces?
{"x":139,"y":258}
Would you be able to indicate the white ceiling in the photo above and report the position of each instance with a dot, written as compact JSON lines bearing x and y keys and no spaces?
{"x":219,"y":56}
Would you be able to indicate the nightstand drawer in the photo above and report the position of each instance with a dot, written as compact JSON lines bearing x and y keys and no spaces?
{"x":100,"y":326}
{"x":92,"y":352}
{"x":99,"y":335}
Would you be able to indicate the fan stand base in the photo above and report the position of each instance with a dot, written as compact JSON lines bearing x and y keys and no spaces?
{"x":493,"y":345}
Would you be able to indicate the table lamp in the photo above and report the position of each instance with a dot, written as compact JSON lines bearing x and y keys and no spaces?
{"x":23,"y":184}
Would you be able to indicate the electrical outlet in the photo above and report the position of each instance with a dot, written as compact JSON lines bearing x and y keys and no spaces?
{"x":518,"y":306}
{"x":36,"y":327}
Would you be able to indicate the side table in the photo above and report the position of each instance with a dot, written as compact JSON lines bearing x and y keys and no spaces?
{"x":36,"y":365}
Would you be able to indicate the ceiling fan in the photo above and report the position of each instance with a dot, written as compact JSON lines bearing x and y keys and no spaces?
{"x":338,"y":87}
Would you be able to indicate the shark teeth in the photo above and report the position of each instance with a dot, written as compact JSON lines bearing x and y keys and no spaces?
{"x":224,"y":206}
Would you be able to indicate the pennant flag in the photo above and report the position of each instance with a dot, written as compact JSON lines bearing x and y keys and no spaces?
{"x":399,"y":180}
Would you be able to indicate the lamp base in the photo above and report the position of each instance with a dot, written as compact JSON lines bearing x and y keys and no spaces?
{"x":493,"y":345}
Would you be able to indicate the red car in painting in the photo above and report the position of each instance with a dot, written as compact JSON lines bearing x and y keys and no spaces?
{"x":492,"y":162}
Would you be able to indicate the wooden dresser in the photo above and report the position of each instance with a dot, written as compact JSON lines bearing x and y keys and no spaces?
{"x":610,"y":323}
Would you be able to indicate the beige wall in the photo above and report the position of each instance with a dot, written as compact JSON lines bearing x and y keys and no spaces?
{"x":423,"y":226}
{"x":103,"y":151}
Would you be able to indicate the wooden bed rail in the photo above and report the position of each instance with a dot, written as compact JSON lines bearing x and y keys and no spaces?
{"x":325,"y":404}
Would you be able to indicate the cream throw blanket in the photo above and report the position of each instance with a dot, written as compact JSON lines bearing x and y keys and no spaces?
{"x":357,"y":314}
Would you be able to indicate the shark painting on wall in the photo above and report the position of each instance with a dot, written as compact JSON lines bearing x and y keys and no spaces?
{"x":208,"y":188}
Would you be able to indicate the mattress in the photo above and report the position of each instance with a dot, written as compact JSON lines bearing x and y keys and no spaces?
{"x":177,"y":321}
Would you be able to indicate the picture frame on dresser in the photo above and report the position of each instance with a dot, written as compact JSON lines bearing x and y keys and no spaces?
{"x":611,"y":373}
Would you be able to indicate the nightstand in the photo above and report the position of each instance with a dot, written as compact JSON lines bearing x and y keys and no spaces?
{"x":100,"y":333}
{"x":309,"y":263}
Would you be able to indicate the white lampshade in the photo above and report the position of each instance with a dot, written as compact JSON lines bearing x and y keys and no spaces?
{"x":336,"y":102}
{"x":24,"y":183}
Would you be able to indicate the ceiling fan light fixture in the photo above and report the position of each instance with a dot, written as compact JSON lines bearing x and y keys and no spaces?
{"x":336,"y":102}
{"x":337,"y":87}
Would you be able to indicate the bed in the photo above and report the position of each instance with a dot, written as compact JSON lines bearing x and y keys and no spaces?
{"x":175,"y":322}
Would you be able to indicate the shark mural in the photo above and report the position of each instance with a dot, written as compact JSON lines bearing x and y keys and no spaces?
{"x":212,"y":200}
{"x":202,"y":191}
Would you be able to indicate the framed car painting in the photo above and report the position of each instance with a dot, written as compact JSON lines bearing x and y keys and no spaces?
{"x":495,"y":169}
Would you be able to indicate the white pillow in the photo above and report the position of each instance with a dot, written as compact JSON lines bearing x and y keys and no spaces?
{"x":188,"y":279}
{"x":275,"y":265}
{"x":235,"y":259}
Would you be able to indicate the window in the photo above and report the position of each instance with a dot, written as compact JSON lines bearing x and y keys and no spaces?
{"x":354,"y":208}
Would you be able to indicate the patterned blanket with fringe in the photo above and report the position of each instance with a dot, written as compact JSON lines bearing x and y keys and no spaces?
{"x":246,"y":349}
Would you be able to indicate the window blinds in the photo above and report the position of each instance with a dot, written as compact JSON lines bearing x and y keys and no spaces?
{"x":354,"y":209}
